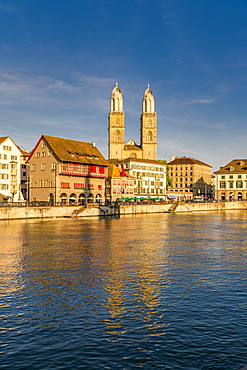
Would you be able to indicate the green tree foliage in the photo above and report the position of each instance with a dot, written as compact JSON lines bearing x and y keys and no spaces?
{"x":168,"y":179}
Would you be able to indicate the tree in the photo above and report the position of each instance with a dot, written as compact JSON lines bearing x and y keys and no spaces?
{"x":168,"y":179}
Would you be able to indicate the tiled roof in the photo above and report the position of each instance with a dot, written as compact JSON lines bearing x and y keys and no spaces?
{"x":236,"y":165}
{"x":186,"y":160}
{"x":144,"y":161}
{"x":67,"y":150}
{"x":132,"y":147}
{"x":115,"y":171}
{"x":24,"y":152}
{"x":3,"y":138}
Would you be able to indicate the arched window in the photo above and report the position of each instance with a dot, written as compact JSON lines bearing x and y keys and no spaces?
{"x":90,"y":198}
{"x":133,"y":155}
{"x":98,"y":198}
{"x":146,"y":107}
{"x":117,"y":136}
{"x":63,"y":198}
{"x":72,"y":198}
{"x":149,"y":136}
{"x":82,"y":199}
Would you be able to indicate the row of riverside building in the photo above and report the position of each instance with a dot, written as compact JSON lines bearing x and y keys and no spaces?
{"x":65,"y":171}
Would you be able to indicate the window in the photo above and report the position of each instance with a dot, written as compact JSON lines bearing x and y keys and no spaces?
{"x":117,"y":136}
{"x":231,"y":177}
{"x":43,"y":145}
{"x":222,"y":184}
{"x":13,"y":158}
{"x":53,"y":166}
{"x":65,"y":185}
{"x":5,"y":156}
{"x":43,"y":154}
{"x":239,"y":184}
{"x":223,"y":177}
{"x":49,"y":153}
{"x":239,"y":176}
{"x":6,"y":147}
{"x":149,"y":136}
{"x":33,"y":167}
{"x":78,"y":186}
{"x":231,"y":185}
{"x":37,"y":154}
{"x":42,"y":166}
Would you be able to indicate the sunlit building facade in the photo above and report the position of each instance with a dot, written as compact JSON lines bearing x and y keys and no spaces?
{"x":66,"y":171}
{"x":231,"y":181}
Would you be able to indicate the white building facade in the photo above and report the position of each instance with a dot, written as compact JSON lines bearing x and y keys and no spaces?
{"x":231,"y":181}
{"x":10,"y":165}
{"x":150,"y":176}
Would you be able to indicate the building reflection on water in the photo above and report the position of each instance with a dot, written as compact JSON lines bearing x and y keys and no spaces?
{"x":122,"y":266}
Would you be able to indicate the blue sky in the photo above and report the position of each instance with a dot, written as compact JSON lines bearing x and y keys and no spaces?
{"x":60,"y":59}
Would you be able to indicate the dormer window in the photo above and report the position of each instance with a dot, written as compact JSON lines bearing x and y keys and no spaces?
{"x":231,"y":168}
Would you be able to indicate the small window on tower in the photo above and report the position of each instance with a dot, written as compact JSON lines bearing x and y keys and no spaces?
{"x":117,"y":136}
{"x":149,"y":136}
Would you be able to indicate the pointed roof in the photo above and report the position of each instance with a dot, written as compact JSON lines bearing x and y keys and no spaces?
{"x":73,"y":151}
{"x":116,"y":91}
{"x":148,"y":91}
{"x":3,"y":138}
{"x":131,"y":145}
{"x":115,"y":171}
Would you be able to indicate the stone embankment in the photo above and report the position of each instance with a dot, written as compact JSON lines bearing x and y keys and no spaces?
{"x":10,"y":213}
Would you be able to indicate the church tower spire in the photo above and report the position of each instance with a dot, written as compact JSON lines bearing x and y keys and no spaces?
{"x":116,"y":125}
{"x":148,"y":129}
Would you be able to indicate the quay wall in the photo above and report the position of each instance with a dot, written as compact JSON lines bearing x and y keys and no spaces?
{"x":10,"y":213}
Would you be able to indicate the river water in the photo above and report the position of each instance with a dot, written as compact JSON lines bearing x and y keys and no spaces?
{"x":160,"y":291}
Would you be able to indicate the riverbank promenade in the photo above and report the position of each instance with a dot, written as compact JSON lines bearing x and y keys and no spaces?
{"x":98,"y":210}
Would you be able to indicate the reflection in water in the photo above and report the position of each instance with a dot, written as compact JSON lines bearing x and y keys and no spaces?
{"x":153,"y":291}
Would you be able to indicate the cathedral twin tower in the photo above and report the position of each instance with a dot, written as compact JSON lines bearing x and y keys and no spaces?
{"x":117,"y":149}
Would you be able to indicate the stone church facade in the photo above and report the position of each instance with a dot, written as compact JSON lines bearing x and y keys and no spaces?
{"x":117,"y":148}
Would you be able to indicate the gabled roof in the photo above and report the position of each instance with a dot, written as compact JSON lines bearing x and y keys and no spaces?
{"x":186,"y":160}
{"x":132,"y":147}
{"x":3,"y":138}
{"x":235,"y":166}
{"x":73,"y":151}
{"x":115,"y":171}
